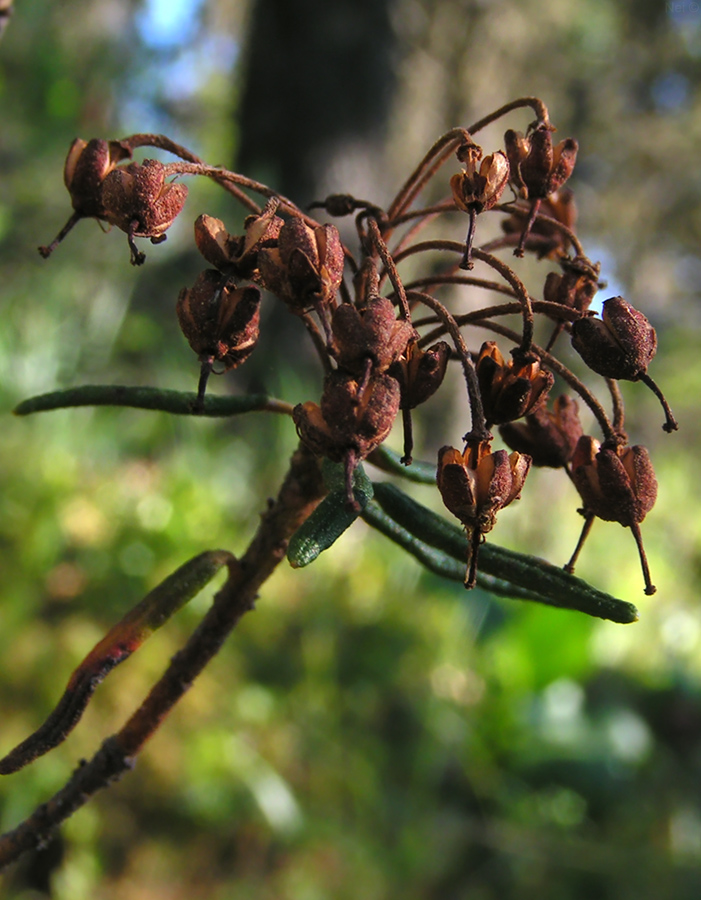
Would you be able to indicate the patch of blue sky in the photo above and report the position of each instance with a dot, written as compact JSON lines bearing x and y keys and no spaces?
{"x":167,"y":24}
{"x":613,"y":288}
{"x":192,"y":68}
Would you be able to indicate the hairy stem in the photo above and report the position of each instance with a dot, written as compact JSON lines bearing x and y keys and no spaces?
{"x":300,"y":493}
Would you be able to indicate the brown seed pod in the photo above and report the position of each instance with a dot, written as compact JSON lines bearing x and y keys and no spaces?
{"x":481,"y":183}
{"x":306,"y":267}
{"x":220,"y":321}
{"x":139,"y":201}
{"x":510,"y":390}
{"x":353,"y":420}
{"x":478,"y":187}
{"x":617,"y":485}
{"x":538,"y":168}
{"x":87,"y":165}
{"x":372,"y":333}
{"x":621,"y":344}
{"x":475,"y":485}
{"x":351,"y":416}
{"x":549,"y":437}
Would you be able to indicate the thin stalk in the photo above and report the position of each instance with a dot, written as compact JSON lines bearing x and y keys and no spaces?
{"x":478,"y":425}
{"x":535,"y":103}
{"x":520,"y":290}
{"x":426,"y":169}
{"x":617,"y":403}
{"x":671,"y":423}
{"x":542,"y":217}
{"x":391,"y":268}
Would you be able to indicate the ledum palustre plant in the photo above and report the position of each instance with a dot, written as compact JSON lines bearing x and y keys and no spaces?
{"x":384,"y":344}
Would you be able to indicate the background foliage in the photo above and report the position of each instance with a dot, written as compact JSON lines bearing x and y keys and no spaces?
{"x":370,"y":731}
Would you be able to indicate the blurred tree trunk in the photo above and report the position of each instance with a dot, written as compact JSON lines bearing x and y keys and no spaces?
{"x":317,"y":76}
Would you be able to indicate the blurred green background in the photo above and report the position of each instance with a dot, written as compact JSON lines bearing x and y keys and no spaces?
{"x":370,"y":731}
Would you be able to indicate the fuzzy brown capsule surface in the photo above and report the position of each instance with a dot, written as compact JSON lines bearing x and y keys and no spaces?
{"x":621,"y":344}
{"x":138,"y":200}
{"x":220,"y":319}
{"x":306,"y":267}
{"x":87,"y":165}
{"x":538,"y":168}
{"x":549,"y":437}
{"x":351,"y":416}
{"x":373,"y":332}
{"x":510,"y":389}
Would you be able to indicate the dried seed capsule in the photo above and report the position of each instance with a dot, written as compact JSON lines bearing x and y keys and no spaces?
{"x":420,"y":374}
{"x":616,"y":485}
{"x":372,"y":333}
{"x":538,"y":168}
{"x":220,"y":321}
{"x":575,"y":287}
{"x":478,"y":187}
{"x":139,"y":201}
{"x":548,"y":437}
{"x":87,"y":165}
{"x":306,"y":267}
{"x":510,"y":390}
{"x":475,"y":485}
{"x":619,"y":345}
{"x":214,"y":242}
{"x":481,"y":183}
{"x":353,"y":419}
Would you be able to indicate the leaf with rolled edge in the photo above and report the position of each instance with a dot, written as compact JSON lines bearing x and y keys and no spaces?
{"x":118,"y":644}
{"x":389,"y":461}
{"x":182,"y":403}
{"x":436,"y":560}
{"x":544,"y":582}
{"x":331,"y":517}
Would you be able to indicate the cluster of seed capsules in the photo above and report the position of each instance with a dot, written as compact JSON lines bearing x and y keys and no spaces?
{"x":379,"y":357}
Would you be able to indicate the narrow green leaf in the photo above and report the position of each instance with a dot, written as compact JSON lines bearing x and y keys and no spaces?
{"x":117,"y":645}
{"x":331,"y":517}
{"x":436,"y":560}
{"x":545,"y":582}
{"x":389,"y":461}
